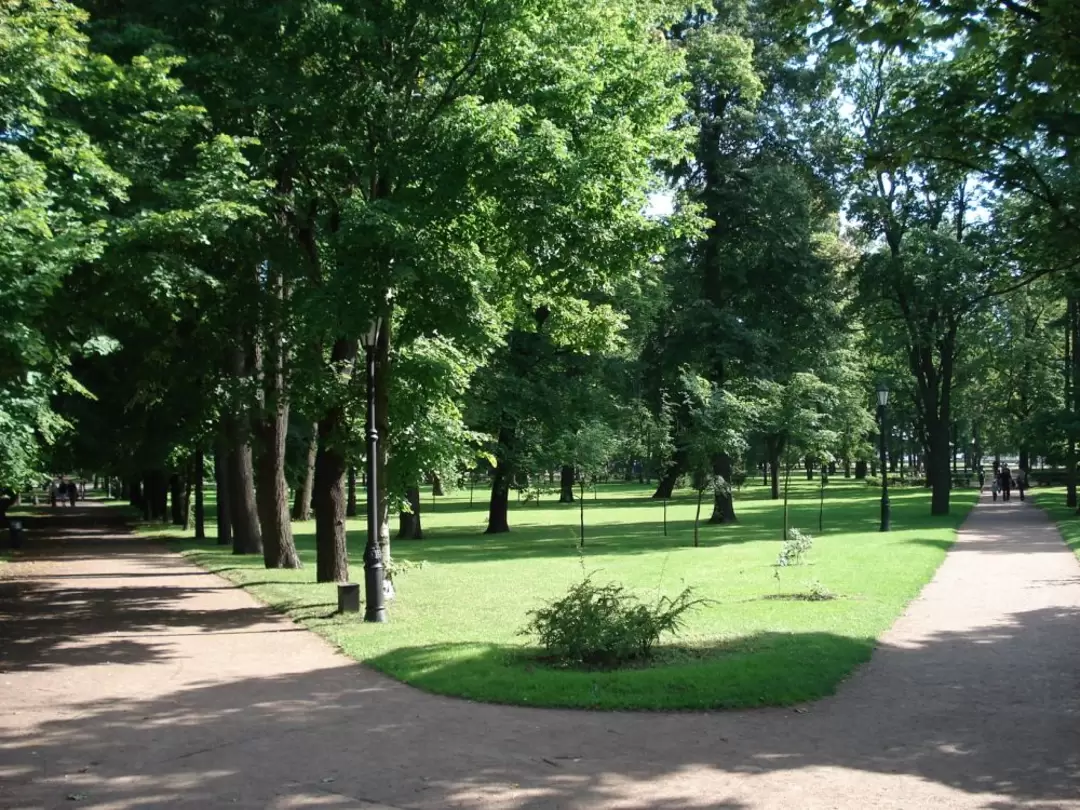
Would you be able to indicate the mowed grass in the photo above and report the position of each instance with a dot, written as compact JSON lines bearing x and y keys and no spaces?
{"x":1052,"y":501}
{"x":455,"y":625}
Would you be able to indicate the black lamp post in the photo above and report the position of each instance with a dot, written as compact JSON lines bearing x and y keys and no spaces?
{"x":374,"y":599}
{"x":882,"y":402}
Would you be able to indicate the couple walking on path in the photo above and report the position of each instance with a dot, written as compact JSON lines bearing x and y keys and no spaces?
{"x":1005,"y":481}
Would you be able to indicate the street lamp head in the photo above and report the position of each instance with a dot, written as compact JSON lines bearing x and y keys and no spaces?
{"x":371,"y":337}
{"x":882,"y":394}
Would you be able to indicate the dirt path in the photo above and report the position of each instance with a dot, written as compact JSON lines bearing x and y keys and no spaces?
{"x":132,"y":680}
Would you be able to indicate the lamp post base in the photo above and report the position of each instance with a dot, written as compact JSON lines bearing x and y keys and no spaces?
{"x":375,"y":598}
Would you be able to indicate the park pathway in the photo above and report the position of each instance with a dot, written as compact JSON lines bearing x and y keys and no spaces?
{"x":132,"y":680}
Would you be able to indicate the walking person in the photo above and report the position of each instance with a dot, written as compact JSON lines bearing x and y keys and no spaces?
{"x":995,"y":484}
{"x":1006,"y":483}
{"x":1021,"y":481}
{"x":73,"y":493}
{"x":982,"y":479}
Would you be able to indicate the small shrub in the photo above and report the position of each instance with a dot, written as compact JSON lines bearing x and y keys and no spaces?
{"x":795,"y":547}
{"x":817,"y":592}
{"x":873,"y":481}
{"x":394,"y":566}
{"x":605,"y":625}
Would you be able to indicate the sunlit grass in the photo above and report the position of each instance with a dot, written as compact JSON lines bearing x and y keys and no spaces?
{"x":454,"y":627}
{"x":1052,"y":501}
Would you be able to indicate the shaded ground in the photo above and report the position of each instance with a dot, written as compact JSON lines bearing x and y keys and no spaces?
{"x":132,"y":680}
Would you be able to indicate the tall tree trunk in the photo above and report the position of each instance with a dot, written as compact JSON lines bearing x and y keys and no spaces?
{"x":279,"y":548}
{"x":860,"y":470}
{"x":1070,"y":365}
{"x":940,"y":470}
{"x":383,"y":380}
{"x":200,"y":504}
{"x":148,"y":499}
{"x":222,"y":489}
{"x":670,"y":477}
{"x":302,"y":504}
{"x":809,"y":464}
{"x":161,"y":495}
{"x":437,"y":489}
{"x":566,"y":484}
{"x":176,"y":496}
{"x":774,"y":446}
{"x":272,"y":493}
{"x":723,"y":495}
{"x":498,"y":511}
{"x":1074,"y":401}
{"x":247,"y":533}
{"x":332,"y":560}
{"x":409,"y":527}
{"x":187,"y":495}
{"x":350,"y":493}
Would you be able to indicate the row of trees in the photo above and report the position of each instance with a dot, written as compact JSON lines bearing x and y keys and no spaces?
{"x":688,"y":238}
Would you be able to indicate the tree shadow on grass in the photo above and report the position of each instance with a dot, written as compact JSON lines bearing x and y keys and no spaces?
{"x":989,"y":713}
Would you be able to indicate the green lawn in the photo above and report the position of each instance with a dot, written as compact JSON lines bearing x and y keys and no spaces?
{"x":454,"y":627}
{"x":1052,"y":501}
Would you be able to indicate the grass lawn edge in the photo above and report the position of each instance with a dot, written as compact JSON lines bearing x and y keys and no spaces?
{"x":340,"y":633}
{"x":1052,"y":502}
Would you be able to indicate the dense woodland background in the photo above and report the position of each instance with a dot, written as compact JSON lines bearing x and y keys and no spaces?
{"x":608,"y":238}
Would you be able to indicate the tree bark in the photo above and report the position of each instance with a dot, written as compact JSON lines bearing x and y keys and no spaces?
{"x":1072,"y":401}
{"x":187,"y":495}
{"x":149,"y":499}
{"x":222,"y":488}
{"x":774,"y":447}
{"x":723,"y":496}
{"x":383,"y":381}
{"x":498,"y":510}
{"x":350,"y":497}
{"x":860,"y":470}
{"x":939,"y":469}
{"x":176,"y":496}
{"x":161,"y":495}
{"x":247,"y":533}
{"x":272,"y":427}
{"x":302,"y":504}
{"x":200,"y":504}
{"x":809,"y":463}
{"x":272,"y":495}
{"x":409,"y":527}
{"x":566,"y":484}
{"x":437,"y":489}
{"x":666,"y":485}
{"x":332,"y":561}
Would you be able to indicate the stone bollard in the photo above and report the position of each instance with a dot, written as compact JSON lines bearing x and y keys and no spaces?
{"x":15,"y":528}
{"x":348,"y":597}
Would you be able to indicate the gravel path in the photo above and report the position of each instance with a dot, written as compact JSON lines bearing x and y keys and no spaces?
{"x":132,"y":680}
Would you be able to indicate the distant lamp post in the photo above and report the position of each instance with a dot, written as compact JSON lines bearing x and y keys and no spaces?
{"x":882,"y":404}
{"x":374,"y":598}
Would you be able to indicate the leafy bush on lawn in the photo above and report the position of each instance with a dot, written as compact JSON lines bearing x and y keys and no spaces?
{"x":795,"y":548}
{"x":606,"y":625}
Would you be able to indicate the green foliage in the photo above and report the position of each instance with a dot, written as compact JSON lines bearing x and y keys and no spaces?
{"x":606,"y":625}
{"x":795,"y":548}
{"x":818,"y":592}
